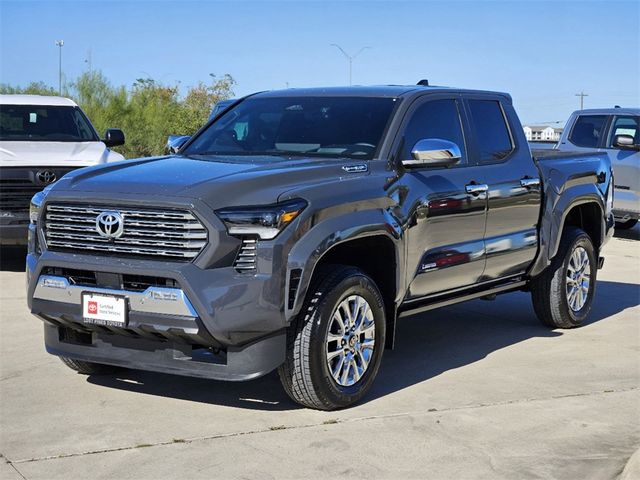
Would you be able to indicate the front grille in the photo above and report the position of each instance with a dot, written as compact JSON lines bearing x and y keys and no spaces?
{"x":148,"y":233}
{"x":16,"y":198}
{"x":246,"y":258}
{"x":19,"y":184}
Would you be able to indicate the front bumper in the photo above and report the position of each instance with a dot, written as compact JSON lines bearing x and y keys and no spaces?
{"x":236,"y":364}
{"x":216,"y":323}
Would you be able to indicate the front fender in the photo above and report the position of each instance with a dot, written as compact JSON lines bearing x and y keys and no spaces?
{"x":322,"y":237}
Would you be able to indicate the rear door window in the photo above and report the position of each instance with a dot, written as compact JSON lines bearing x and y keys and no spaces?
{"x":587,"y":130}
{"x":491,"y":131}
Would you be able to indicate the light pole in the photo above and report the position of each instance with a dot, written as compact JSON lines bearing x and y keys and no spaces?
{"x":350,"y":58}
{"x":60,"y":44}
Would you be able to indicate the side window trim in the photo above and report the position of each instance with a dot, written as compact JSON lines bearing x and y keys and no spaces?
{"x":507,"y":123}
{"x":408,"y":115}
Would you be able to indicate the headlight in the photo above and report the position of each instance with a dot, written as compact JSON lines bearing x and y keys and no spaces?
{"x":34,"y":207}
{"x":266,"y":222}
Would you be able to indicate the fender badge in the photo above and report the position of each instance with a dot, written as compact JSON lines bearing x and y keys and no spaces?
{"x":359,"y":168}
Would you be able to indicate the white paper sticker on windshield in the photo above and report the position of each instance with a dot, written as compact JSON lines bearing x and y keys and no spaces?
{"x":33,"y":117}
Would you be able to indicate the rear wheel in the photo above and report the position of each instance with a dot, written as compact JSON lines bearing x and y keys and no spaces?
{"x":89,"y":368}
{"x":562,"y":295}
{"x":334,"y":346}
{"x":627,"y":225}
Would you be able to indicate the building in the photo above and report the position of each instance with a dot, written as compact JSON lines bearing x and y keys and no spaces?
{"x":542,"y":133}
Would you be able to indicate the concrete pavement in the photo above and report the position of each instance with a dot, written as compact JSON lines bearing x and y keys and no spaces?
{"x":477,"y":390}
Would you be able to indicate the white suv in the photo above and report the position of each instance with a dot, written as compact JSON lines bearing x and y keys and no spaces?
{"x":41,"y":139}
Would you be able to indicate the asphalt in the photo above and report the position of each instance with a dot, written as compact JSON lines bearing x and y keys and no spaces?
{"x":477,"y":390}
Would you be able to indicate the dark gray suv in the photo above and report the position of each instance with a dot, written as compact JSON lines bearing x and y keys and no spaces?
{"x":293,"y":231}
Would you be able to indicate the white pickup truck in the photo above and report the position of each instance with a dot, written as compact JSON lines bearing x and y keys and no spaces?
{"x":615,"y":131}
{"x":41,"y":139}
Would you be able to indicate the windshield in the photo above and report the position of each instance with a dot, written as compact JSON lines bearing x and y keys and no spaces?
{"x":44,"y":123}
{"x":338,"y":127}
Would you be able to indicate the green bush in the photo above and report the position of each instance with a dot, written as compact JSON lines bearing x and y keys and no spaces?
{"x":147,"y":112}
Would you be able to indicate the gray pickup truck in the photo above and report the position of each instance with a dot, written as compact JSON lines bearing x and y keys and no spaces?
{"x":616,"y":132}
{"x":294,"y":230}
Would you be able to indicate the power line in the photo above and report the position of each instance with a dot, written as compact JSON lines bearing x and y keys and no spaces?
{"x":547,"y":123}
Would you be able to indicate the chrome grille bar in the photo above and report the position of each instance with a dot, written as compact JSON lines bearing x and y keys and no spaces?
{"x":171,"y":234}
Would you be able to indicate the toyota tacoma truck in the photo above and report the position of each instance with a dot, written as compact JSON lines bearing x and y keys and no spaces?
{"x":295,"y":230}
{"x":41,"y":139}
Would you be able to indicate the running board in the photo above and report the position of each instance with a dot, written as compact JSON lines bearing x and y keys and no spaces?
{"x":426,"y":306}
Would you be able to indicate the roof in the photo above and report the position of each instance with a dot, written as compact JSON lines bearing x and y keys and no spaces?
{"x":384,"y":91}
{"x":356,"y":91}
{"x":608,"y":111}
{"x":36,"y":100}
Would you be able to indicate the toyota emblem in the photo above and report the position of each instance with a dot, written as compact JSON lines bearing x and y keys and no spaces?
{"x":110,"y":224}
{"x":46,"y":176}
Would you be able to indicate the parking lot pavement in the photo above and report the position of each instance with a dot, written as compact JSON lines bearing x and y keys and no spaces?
{"x":478,"y":390}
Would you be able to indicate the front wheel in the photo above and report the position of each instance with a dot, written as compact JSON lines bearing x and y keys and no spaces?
{"x":335,"y":345}
{"x":89,"y":368}
{"x":562,"y":295}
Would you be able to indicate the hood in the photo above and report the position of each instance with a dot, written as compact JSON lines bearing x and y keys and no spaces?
{"x":217,"y":181}
{"x":60,"y":154}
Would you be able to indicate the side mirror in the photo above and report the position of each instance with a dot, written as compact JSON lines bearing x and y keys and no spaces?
{"x":113,"y":137}
{"x":433,"y":152}
{"x":175,"y":143}
{"x":624,"y":141}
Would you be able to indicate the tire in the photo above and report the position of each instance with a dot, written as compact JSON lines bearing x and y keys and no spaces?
{"x":551,"y":291}
{"x":626,"y":225}
{"x":89,"y":368}
{"x":319,"y":351}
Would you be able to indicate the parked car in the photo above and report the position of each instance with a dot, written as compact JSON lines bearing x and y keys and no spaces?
{"x":219,"y":107}
{"x":615,"y":131}
{"x":294,"y":231}
{"x":41,"y":139}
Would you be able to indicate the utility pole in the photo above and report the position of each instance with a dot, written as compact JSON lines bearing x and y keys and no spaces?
{"x":60,"y":44}
{"x":582,"y":95}
{"x":350,"y":58}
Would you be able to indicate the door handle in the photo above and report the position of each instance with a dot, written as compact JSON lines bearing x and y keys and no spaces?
{"x":476,"y":188}
{"x":530,"y":182}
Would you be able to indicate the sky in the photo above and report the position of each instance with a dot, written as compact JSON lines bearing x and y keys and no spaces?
{"x":542,"y":53}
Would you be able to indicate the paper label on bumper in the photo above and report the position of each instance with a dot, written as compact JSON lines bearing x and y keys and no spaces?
{"x":104,"y":309}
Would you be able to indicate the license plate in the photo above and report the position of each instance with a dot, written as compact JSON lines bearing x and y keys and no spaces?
{"x":99,"y":309}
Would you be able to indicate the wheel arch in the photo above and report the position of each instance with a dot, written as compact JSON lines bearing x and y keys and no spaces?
{"x":588,"y":216}
{"x":584,"y":208}
{"x":374,"y":248}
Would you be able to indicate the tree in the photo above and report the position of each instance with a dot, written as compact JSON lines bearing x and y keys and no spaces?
{"x":34,"y":88}
{"x":147,"y":112}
